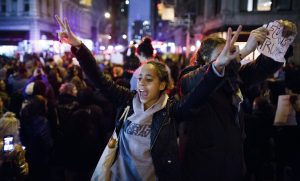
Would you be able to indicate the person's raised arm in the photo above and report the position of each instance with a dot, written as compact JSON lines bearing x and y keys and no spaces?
{"x":209,"y":82}
{"x":258,"y":70}
{"x":117,"y":94}
{"x":256,"y":37}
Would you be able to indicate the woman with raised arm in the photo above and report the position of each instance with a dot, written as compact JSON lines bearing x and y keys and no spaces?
{"x":148,"y":147}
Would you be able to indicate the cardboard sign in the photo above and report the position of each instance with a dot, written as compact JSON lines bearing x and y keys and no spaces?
{"x":276,"y":45}
{"x":285,"y":113}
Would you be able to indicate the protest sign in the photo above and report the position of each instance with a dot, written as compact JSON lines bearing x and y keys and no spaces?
{"x":280,"y":37}
{"x":285,"y":113}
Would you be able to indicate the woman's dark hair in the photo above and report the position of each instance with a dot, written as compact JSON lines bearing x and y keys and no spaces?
{"x":145,"y":47}
{"x":203,"y":54}
{"x":162,"y":72}
{"x":73,"y":71}
{"x":36,"y":106}
{"x":85,"y":97}
{"x":39,"y":88}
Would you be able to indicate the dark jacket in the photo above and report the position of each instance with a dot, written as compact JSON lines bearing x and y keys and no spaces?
{"x":84,"y":138}
{"x":163,"y":143}
{"x":13,"y":165}
{"x":67,"y":104}
{"x":214,"y":147}
{"x":36,"y":136}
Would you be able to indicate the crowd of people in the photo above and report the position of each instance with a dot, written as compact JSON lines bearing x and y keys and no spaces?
{"x":210,"y":120}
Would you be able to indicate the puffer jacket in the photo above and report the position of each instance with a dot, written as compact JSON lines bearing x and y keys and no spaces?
{"x":215,"y":134}
{"x":163,"y":138}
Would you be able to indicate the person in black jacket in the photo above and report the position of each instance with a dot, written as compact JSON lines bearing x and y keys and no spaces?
{"x":36,"y":136}
{"x":85,"y":138}
{"x":214,"y":143}
{"x":148,"y":147}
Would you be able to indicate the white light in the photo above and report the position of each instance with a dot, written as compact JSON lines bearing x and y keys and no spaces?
{"x":8,"y":50}
{"x":267,"y":4}
{"x":43,"y":37}
{"x":146,"y":23}
{"x":102,"y":48}
{"x":108,"y":37}
{"x":184,"y":48}
{"x":193,"y":48}
{"x":88,"y":43}
{"x":124,"y":36}
{"x":171,"y":44}
{"x":122,"y":10}
{"x":172,"y":47}
{"x":119,"y":48}
{"x":110,"y":47}
{"x":107,"y":15}
{"x":127,"y":2}
{"x":198,"y":43}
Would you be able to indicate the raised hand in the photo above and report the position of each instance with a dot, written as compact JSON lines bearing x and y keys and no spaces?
{"x":235,"y":36}
{"x":65,"y":34}
{"x":227,"y":55}
{"x":256,"y":38}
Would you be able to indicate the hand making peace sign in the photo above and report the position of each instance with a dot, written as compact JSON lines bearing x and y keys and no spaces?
{"x":227,"y":55}
{"x":65,"y":34}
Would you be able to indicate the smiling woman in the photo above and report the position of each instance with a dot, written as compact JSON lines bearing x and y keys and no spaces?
{"x":147,"y":146}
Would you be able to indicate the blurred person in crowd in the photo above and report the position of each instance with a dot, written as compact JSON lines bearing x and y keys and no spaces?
{"x":67,"y":103}
{"x":42,"y":87}
{"x":258,"y":143}
{"x":6,"y":70}
{"x":3,"y":94}
{"x":151,"y":151}
{"x":287,"y":148}
{"x":131,"y":62}
{"x":18,"y":80}
{"x":13,"y":165}
{"x":118,"y":76}
{"x":2,"y":108}
{"x":75,"y":76}
{"x":174,"y":72}
{"x":85,"y":138}
{"x":36,"y":136}
{"x":54,"y":75}
{"x":145,"y":53}
{"x":214,"y":146}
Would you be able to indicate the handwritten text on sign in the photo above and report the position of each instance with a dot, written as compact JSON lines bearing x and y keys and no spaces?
{"x":275,"y":44}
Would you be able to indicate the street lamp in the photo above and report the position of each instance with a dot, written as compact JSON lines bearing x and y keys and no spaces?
{"x":124,"y":36}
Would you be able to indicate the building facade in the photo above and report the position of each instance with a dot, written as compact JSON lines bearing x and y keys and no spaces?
{"x":33,"y":20}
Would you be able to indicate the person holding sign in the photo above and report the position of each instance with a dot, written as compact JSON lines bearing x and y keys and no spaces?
{"x":281,"y":35}
{"x":214,"y":140}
